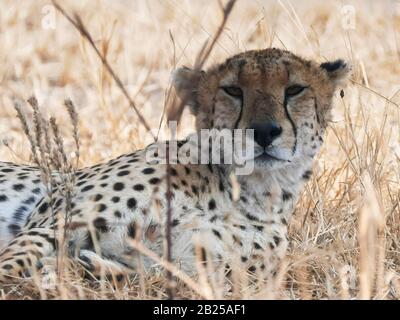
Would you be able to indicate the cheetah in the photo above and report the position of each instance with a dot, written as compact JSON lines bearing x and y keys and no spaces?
{"x":285,"y":99}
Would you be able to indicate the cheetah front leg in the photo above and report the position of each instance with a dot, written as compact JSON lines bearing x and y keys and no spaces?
{"x":22,"y":255}
{"x":100,"y":267}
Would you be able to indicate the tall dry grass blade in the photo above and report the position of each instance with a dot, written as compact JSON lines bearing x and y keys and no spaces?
{"x":371,"y":220}
{"x":78,"y":24}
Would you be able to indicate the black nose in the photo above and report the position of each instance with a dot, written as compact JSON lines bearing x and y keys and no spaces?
{"x":266,"y":132}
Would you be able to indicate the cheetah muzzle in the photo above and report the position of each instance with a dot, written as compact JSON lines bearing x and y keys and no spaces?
{"x":283,"y":98}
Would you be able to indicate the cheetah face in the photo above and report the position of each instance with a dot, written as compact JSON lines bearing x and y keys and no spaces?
{"x":285,"y":99}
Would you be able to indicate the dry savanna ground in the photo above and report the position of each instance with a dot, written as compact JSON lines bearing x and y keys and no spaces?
{"x":345,"y":234}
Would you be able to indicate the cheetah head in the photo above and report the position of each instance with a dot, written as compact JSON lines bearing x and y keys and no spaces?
{"x":284,"y":98}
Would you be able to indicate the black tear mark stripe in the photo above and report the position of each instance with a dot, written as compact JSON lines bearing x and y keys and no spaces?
{"x":292,"y":123}
{"x":316,"y":110}
{"x":213,"y":114}
{"x":242,"y":63}
{"x":240,"y":114}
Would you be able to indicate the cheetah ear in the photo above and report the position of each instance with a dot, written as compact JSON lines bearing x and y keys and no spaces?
{"x":338,"y":71}
{"x":186,"y":82}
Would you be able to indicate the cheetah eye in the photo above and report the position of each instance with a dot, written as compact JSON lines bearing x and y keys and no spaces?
{"x":294,"y":90}
{"x":235,"y":92}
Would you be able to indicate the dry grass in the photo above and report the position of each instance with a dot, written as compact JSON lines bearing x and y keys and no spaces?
{"x":345,"y":239}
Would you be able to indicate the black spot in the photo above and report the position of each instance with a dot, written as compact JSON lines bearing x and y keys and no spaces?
{"x":277,"y":240}
{"x":98,"y":197}
{"x":76,"y":212}
{"x":132,"y":230}
{"x":115,"y":199}
{"x":221,"y":186}
{"x":104,"y":185}
{"x":216,"y":233}
{"x":101,"y":207}
{"x":252,"y":269}
{"x":259,"y":228}
{"x":80,"y":183}
{"x":131,"y":203}
{"x":29,"y":200}
{"x":211,"y":204}
{"x":175,"y":222}
{"x":138,"y":187}
{"x":43,"y":207}
{"x":188,"y":194}
{"x":173,"y":172}
{"x":119,"y":277}
{"x":286,"y":195}
{"x":101,"y":224}
{"x":187,"y":170}
{"x":19,"y":214}
{"x":203,"y":257}
{"x":148,"y":171}
{"x":154,"y":181}
{"x":251,"y":217}
{"x":83,"y":176}
{"x":20,"y":262}
{"x":175,"y":186}
{"x":213,"y":218}
{"x":243,"y":258}
{"x":307,"y":174}
{"x":58,"y":202}
{"x":18,"y":187}
{"x":117,"y":214}
{"x":195,"y":190}
{"x":184,"y":182}
{"x":87,"y":188}
{"x":3,"y":198}
{"x":14,"y":229}
{"x":7,"y":170}
{"x":123,"y":173}
{"x":36,"y":191}
{"x":118,"y":186}
{"x":104,"y":177}
{"x":257,"y":245}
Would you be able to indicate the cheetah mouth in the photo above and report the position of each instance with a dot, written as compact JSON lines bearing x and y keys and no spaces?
{"x":267,"y":157}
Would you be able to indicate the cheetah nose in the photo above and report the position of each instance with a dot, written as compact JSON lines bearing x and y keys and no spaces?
{"x":266,"y":132}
